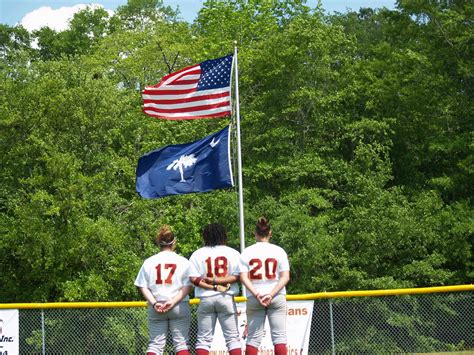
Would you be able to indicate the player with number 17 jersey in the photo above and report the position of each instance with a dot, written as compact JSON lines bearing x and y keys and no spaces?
{"x":164,"y":282}
{"x":164,"y":274}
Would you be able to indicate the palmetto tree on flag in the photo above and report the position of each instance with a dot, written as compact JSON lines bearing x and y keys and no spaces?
{"x":184,"y":161}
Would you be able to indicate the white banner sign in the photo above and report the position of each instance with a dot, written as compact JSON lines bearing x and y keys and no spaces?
{"x":9,"y":340}
{"x":298,"y":327}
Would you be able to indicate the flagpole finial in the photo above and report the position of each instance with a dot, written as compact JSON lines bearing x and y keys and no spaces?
{"x":235,"y":43}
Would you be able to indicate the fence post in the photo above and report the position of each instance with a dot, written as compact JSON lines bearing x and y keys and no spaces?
{"x":42,"y":332}
{"x":333,"y":348}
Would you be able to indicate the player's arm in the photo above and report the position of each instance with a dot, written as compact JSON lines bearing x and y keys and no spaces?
{"x":197,"y":280}
{"x":200,"y":282}
{"x":284,"y":277}
{"x":145,"y":291}
{"x":231,"y":274}
{"x":265,"y":300}
{"x":244,"y":279}
{"x":223,"y":280}
{"x":183,"y":292}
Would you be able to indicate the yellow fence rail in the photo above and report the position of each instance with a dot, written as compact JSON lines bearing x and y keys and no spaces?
{"x":396,"y":321}
{"x":309,"y":296}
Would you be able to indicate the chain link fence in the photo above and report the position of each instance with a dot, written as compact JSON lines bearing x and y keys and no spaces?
{"x":423,"y":323}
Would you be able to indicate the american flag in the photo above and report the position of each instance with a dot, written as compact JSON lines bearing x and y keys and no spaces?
{"x":198,"y":91}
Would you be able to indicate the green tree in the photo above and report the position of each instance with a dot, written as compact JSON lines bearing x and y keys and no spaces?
{"x":356,"y":137}
{"x":86,"y":29}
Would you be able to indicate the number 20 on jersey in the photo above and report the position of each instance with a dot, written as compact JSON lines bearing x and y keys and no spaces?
{"x":263,"y":269}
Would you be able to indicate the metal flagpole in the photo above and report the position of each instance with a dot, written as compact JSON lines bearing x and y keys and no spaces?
{"x":239,"y":156}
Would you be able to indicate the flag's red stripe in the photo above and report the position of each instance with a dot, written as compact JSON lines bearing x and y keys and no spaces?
{"x":183,"y":82}
{"x":189,"y":109}
{"x":190,"y":99}
{"x":177,"y":118}
{"x":191,"y":72}
{"x":168,"y":92}
{"x":196,"y":71}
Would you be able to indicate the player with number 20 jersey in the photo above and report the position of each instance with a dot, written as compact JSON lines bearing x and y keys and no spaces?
{"x":265,"y":271}
{"x":264,"y":262}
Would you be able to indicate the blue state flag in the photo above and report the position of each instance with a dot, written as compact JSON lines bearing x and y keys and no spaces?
{"x":199,"y":166}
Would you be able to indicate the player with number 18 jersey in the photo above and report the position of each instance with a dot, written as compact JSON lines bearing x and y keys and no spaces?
{"x":215,"y":272}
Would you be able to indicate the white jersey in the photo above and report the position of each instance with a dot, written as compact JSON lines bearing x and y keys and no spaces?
{"x":217,"y":261}
{"x":264,"y":262}
{"x":164,"y":274}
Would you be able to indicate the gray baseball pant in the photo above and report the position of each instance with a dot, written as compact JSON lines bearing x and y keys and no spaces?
{"x":256,"y":314}
{"x":219,"y":307}
{"x":177,"y":320}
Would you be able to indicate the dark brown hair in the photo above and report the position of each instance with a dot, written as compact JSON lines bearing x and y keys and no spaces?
{"x":165,"y":236}
{"x":263,"y":227}
{"x":214,"y":234}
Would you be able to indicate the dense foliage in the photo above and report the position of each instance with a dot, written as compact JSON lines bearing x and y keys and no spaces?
{"x":357,"y":138}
